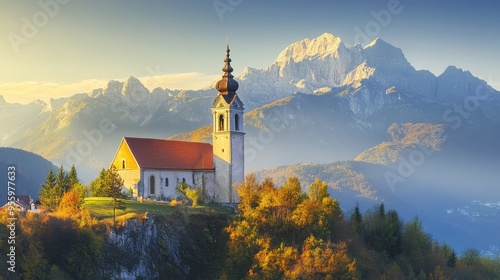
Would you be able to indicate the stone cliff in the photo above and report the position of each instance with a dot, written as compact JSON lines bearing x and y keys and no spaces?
{"x":178,"y":246}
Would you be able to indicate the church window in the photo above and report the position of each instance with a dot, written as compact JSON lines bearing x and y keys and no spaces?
{"x":184,"y":180}
{"x":166,"y":182}
{"x":152,"y":182}
{"x":237,"y":122}
{"x":221,"y":122}
{"x":123,"y":164}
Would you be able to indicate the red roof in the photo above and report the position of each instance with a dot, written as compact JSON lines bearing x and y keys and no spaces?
{"x":169,"y":154}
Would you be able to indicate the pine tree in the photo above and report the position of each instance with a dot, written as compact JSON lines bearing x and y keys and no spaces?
{"x":357,"y":219}
{"x":72,"y":179}
{"x":81,"y":189}
{"x":113,"y":189}
{"x":98,"y":185}
{"x":48,"y":194}
{"x":452,"y":259}
{"x":61,"y":181}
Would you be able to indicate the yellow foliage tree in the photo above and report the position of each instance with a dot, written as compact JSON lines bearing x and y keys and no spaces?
{"x":274,"y":263}
{"x":194,"y":195}
{"x":323,"y":260}
{"x":71,"y":203}
{"x":280,"y":231}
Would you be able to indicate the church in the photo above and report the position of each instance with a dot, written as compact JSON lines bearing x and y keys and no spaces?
{"x":153,"y":168}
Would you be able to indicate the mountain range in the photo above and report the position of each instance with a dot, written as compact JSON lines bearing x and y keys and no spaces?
{"x":361,"y":118}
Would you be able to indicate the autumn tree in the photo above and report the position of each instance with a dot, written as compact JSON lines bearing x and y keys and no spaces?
{"x":324,"y":260}
{"x":280,"y":233}
{"x":320,"y":214}
{"x":194,"y":195}
{"x":318,"y":190}
{"x":71,"y":202}
{"x":249,"y":193}
{"x":275,"y":262}
{"x":32,"y":260}
{"x":288,"y":198}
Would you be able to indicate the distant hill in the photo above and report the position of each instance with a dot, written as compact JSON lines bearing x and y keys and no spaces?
{"x":31,"y":170}
{"x":348,"y":179}
{"x":405,"y":138}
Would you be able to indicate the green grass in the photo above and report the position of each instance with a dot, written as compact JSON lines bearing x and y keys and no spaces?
{"x":102,"y":208}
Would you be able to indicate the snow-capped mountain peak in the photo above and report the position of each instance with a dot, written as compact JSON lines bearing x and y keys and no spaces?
{"x":133,"y":86}
{"x":375,"y":42}
{"x":322,"y":46}
{"x":113,"y":87}
{"x":380,"y":53}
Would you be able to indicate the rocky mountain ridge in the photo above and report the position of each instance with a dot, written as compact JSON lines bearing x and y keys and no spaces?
{"x":341,"y":95}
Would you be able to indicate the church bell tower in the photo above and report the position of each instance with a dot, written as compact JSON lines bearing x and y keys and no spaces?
{"x":228,"y":137}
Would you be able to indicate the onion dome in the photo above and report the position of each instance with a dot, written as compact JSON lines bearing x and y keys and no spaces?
{"x":227,"y":85}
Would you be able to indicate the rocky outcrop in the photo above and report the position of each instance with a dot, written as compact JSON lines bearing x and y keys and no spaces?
{"x":178,"y":246}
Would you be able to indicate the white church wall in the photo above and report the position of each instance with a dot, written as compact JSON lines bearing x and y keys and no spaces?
{"x":222,"y":180}
{"x":205,"y":180}
{"x":161,"y":177}
{"x":238,"y":164}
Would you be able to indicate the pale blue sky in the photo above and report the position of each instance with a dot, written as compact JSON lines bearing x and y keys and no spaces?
{"x":84,"y":43}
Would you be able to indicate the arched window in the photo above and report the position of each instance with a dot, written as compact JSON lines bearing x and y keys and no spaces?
{"x":123,"y":164}
{"x":236,"y":122}
{"x":152,"y":182}
{"x":166,"y":182}
{"x":184,"y":180}
{"x":221,"y":122}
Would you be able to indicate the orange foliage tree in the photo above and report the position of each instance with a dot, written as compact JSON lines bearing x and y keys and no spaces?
{"x":71,"y":203}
